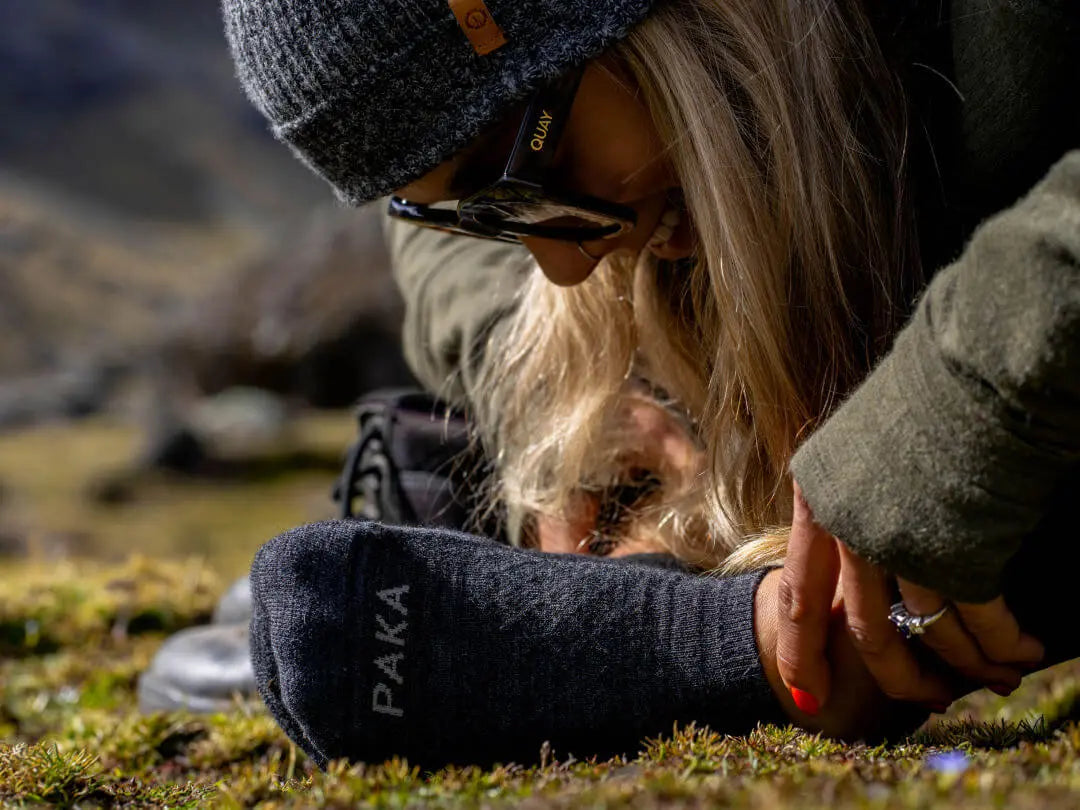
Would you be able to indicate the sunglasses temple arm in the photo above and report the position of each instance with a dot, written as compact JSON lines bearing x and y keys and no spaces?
{"x":542,"y":128}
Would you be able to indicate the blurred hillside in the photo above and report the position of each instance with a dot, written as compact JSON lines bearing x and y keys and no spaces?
{"x":166,"y":264}
{"x":137,"y":186}
{"x":130,"y":108}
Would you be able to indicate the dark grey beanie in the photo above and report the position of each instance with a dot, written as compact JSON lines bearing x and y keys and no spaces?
{"x":372,"y":94}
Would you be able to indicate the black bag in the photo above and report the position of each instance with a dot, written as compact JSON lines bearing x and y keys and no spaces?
{"x":413,"y":465}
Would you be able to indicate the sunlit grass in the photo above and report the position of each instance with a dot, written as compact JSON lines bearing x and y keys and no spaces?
{"x":49,"y":478}
{"x":75,"y":633}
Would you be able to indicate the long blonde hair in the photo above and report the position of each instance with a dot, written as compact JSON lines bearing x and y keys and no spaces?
{"x":787,"y":130}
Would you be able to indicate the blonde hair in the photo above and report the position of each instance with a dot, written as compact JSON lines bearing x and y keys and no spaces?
{"x":786,"y":128}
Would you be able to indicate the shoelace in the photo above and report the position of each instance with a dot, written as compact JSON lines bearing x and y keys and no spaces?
{"x":367,"y":470}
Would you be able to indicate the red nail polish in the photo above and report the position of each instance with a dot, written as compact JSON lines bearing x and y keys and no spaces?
{"x":805,"y":701}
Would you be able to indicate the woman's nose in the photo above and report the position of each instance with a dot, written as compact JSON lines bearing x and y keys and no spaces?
{"x":563,"y":262}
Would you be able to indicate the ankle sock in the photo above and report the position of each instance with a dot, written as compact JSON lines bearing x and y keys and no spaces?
{"x":370,"y":641}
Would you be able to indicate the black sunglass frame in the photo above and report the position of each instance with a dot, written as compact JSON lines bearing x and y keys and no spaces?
{"x":490,"y":212}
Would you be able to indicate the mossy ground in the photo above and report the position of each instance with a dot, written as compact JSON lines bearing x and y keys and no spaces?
{"x":74,"y":635}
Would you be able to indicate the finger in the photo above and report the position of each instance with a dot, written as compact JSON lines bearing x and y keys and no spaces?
{"x":805,"y":598}
{"x":885,"y":652}
{"x":953,"y":644}
{"x":998,"y":633}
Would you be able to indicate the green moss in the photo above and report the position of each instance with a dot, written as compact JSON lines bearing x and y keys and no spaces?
{"x":42,"y":693}
{"x":75,"y":635}
{"x":241,"y":760}
{"x":45,"y":608}
{"x":140,"y":744}
{"x":88,"y":747}
{"x":42,"y":774}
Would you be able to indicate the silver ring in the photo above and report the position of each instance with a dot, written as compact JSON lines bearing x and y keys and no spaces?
{"x":909,"y":624}
{"x":586,"y":253}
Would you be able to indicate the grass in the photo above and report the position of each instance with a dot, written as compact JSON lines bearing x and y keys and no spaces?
{"x":74,"y":635}
{"x":51,"y":479}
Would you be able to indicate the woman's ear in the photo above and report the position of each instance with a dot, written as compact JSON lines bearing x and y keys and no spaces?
{"x":674,"y":238}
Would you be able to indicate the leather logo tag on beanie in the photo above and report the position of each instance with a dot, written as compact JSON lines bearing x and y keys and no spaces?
{"x":479,"y":26}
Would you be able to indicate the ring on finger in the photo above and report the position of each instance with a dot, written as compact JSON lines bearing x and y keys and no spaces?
{"x":911,"y":625}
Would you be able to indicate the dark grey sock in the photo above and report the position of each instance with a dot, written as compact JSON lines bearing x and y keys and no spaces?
{"x":371,"y":641}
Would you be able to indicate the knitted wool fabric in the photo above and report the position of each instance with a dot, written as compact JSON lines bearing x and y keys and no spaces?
{"x":373,"y":94}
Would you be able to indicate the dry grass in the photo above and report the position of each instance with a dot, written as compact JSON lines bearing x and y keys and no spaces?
{"x":50,"y":478}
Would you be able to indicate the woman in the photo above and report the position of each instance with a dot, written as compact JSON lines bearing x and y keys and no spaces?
{"x":825,"y":157}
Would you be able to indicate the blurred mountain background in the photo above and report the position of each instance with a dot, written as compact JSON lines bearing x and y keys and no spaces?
{"x":131,"y":106}
{"x":159,"y":249}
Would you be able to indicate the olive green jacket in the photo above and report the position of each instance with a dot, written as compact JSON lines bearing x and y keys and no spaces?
{"x":957,"y":447}
{"x":458,"y":291}
{"x":964,"y":442}
{"x":952,"y":451}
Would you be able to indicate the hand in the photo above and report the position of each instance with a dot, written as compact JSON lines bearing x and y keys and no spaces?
{"x":981,"y":642}
{"x":972,"y":638}
{"x":856,"y":711}
{"x":650,"y":439}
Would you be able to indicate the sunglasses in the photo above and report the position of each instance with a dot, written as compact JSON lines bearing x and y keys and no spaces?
{"x":521,"y":202}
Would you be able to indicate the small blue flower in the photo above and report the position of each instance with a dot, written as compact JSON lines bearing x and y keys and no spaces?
{"x":949,"y":762}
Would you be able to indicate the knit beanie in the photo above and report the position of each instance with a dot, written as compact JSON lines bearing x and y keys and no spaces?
{"x":373,"y":94}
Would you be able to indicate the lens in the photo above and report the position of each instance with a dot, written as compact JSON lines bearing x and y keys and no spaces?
{"x":443,"y":217}
{"x":541,"y":213}
{"x":549,"y":220}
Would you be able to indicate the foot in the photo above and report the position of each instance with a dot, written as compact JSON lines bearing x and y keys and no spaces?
{"x":371,"y":641}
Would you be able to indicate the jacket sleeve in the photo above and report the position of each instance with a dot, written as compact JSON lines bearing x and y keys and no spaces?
{"x":459,"y":292}
{"x":945,"y":458}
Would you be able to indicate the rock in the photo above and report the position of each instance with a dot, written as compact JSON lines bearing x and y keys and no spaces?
{"x":134,"y":175}
{"x":316,"y":321}
{"x":179,"y":451}
{"x":239,"y":421}
{"x":65,"y":394}
{"x":317,"y":318}
{"x":13,"y":543}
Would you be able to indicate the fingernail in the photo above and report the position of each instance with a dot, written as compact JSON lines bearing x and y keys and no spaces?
{"x":805,"y":701}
